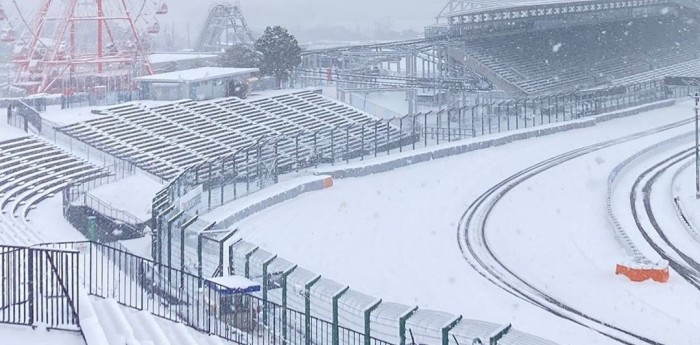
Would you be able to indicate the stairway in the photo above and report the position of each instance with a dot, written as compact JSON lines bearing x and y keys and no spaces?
{"x":105,"y":322}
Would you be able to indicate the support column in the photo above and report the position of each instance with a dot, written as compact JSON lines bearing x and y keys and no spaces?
{"x":402,"y":325}
{"x":307,"y":309}
{"x":446,"y":330}
{"x":247,"y":261}
{"x":285,"y":275}
{"x":265,"y":287}
{"x":368,"y":328}
{"x":336,"y":330}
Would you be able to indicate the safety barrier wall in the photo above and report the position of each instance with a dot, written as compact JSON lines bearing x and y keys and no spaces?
{"x":259,"y":202}
{"x":288,"y":284}
{"x":680,"y":213}
{"x":623,"y":239}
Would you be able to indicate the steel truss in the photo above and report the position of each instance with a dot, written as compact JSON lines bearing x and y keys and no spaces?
{"x":393,"y":65}
{"x":225,"y":26}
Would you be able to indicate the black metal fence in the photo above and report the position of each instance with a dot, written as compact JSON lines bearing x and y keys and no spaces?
{"x":39,"y":286}
{"x":238,"y":316}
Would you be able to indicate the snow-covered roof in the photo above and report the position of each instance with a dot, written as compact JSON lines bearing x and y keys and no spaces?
{"x":175,"y":57}
{"x":197,"y":75}
{"x":475,"y":6}
{"x":233,"y":284}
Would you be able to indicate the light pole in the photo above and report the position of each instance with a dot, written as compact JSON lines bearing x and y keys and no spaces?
{"x":697,"y":146}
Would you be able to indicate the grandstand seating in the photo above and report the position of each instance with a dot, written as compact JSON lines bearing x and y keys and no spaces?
{"x":30,"y":171}
{"x":557,"y":60}
{"x":167,"y":139}
{"x":686,"y":69}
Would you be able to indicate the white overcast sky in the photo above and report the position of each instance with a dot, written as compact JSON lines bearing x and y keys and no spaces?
{"x":402,"y":14}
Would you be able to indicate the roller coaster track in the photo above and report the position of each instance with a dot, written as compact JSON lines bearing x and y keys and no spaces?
{"x":471,"y":237}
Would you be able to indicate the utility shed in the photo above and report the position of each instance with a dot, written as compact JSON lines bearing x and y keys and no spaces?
{"x":198,"y":84}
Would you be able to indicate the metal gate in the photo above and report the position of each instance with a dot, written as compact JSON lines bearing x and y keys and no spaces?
{"x":39,"y":286}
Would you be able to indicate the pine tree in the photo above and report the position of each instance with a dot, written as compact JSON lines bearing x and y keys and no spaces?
{"x":281,"y":53}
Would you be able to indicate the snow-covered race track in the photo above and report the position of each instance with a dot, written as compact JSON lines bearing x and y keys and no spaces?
{"x":477,"y":251}
{"x":392,"y":235}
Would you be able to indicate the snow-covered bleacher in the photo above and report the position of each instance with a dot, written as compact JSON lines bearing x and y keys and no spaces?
{"x":32,"y":170}
{"x":684,"y":69}
{"x":563,"y":59}
{"x":165,"y":140}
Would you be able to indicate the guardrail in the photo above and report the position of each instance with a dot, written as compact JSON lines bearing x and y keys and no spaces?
{"x":620,"y":233}
{"x":680,"y":213}
{"x":240,"y":316}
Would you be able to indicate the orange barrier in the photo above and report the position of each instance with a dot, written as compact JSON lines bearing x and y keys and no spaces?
{"x":641,"y":271}
{"x":327,"y":182}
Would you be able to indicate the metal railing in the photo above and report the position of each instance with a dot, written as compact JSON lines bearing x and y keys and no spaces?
{"x":242,"y":317}
{"x":39,"y":286}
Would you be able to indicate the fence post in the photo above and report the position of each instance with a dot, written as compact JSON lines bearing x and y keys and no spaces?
{"x":388,"y":136}
{"x":159,"y":234}
{"x":30,"y":284}
{"x":265,"y":286}
{"x":182,"y":247}
{"x":199,"y":255}
{"x":285,"y":275}
{"x":223,"y":178}
{"x":368,"y":328}
{"x":336,"y":331}
{"x":402,"y":324}
{"x":170,"y":243}
{"x":446,"y":330}
{"x":307,"y":309}
{"x":210,"y":188}
{"x":247,"y":261}
{"x":221,"y":247}
{"x":425,"y":128}
{"x":376,"y":136}
{"x":362,"y":141}
{"x":413,"y":130}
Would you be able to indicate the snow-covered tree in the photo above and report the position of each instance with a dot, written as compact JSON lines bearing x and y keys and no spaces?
{"x":281,"y":53}
{"x":241,"y":56}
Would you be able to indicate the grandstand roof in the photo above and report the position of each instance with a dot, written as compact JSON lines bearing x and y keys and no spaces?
{"x":197,"y":75}
{"x":475,"y":6}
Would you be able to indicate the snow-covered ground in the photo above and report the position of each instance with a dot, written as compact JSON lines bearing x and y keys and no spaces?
{"x":47,"y":219}
{"x":393,"y":235}
{"x":15,"y":335}
{"x":133,"y":194}
{"x":7,"y":131}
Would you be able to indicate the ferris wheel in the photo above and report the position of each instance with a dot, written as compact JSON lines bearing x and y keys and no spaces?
{"x":79,"y":44}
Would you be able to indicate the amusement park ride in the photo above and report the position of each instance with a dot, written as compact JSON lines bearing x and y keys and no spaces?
{"x":69,"y":46}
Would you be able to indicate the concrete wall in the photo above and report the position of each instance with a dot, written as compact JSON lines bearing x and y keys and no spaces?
{"x":286,"y":194}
